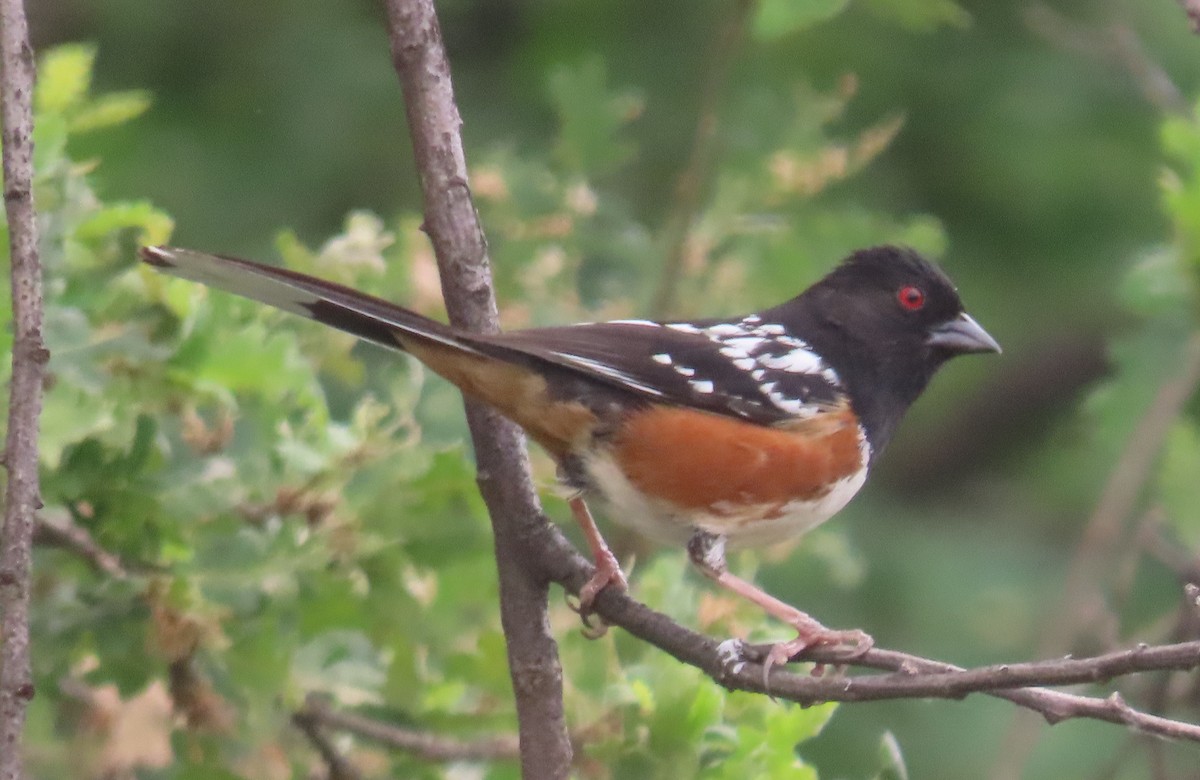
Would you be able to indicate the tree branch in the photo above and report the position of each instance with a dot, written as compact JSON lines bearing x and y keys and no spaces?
{"x":1114,"y":44}
{"x":914,"y":676}
{"x":70,"y":536}
{"x":504,"y":475}
{"x":422,"y":744}
{"x":29,"y":356}
{"x":308,"y":719}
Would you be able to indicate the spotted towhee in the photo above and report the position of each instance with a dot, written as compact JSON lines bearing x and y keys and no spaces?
{"x":748,"y":430}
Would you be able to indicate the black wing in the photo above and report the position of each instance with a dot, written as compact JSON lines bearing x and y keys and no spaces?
{"x":744,"y":368}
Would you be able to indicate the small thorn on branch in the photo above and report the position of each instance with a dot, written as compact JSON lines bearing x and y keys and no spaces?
{"x":1192,"y":591}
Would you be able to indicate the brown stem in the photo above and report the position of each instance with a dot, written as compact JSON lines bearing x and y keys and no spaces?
{"x":62,"y":532}
{"x":503,"y":465}
{"x":1115,"y":44}
{"x":29,"y":356}
{"x":309,"y":721}
{"x":421,"y":744}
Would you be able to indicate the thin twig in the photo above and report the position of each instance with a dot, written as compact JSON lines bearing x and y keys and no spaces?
{"x":1104,"y":536}
{"x":308,"y":721}
{"x":689,"y":187}
{"x":504,"y":475}
{"x":61,"y":532}
{"x":1116,"y":44}
{"x":29,"y":357}
{"x":421,"y":744}
{"x":945,"y":681}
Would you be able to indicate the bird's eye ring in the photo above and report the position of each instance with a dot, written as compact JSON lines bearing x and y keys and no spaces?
{"x":911,"y":297}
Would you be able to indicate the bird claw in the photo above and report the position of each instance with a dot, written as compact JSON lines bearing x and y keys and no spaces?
{"x":608,"y":574}
{"x":847,"y":645}
{"x":589,"y":629}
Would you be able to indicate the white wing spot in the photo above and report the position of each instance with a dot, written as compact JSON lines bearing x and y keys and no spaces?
{"x":701,"y":386}
{"x":798,"y":361}
{"x":683,"y":327}
{"x":725,"y":329}
{"x":744,"y":344}
{"x":685,"y":371}
{"x":793,"y":405}
{"x":661,"y":358}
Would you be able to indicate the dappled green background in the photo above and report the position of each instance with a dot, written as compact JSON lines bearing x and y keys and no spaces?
{"x":305,"y":511}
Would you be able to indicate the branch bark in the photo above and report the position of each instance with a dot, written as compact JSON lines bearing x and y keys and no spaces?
{"x":29,"y":356}
{"x":425,"y":745}
{"x":308,"y":719}
{"x":62,"y":532}
{"x":503,"y":465}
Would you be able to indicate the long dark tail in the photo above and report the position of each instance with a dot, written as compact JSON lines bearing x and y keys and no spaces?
{"x":365,"y":316}
{"x":506,"y":378}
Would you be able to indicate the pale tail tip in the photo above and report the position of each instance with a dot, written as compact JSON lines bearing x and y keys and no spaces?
{"x":158,"y":256}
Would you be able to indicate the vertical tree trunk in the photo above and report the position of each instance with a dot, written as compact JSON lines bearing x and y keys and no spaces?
{"x":504,"y":474}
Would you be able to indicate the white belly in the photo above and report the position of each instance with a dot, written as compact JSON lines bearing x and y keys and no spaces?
{"x":741,"y":525}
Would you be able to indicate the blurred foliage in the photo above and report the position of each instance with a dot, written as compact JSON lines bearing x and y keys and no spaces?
{"x":297,"y":513}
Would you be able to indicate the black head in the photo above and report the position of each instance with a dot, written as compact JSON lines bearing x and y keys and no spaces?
{"x":886,"y":319}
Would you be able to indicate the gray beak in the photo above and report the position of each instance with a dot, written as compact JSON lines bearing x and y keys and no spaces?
{"x":962,"y":335}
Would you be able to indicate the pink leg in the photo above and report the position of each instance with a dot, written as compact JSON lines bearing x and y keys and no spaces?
{"x":707,"y":551}
{"x":608,"y":571}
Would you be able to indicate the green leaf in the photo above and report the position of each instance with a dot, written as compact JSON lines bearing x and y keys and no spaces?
{"x":153,"y":224}
{"x":64,"y":78}
{"x":49,"y":151}
{"x":343,"y":664}
{"x":780,"y":18}
{"x":891,"y":759}
{"x":797,"y":724}
{"x":1157,"y":284}
{"x":114,"y":108}
{"x":590,"y":116}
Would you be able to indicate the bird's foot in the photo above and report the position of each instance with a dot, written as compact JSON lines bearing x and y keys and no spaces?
{"x":847,"y":644}
{"x":608,"y":574}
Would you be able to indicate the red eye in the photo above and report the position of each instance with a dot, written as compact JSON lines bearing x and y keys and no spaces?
{"x":911,"y":297}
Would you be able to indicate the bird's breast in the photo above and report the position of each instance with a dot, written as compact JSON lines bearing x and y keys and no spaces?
{"x":670,"y":471}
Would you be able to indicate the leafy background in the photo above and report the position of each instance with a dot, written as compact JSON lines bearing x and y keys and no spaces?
{"x":296,"y":514}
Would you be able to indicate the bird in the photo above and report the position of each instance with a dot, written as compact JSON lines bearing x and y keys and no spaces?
{"x":708,"y":433}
